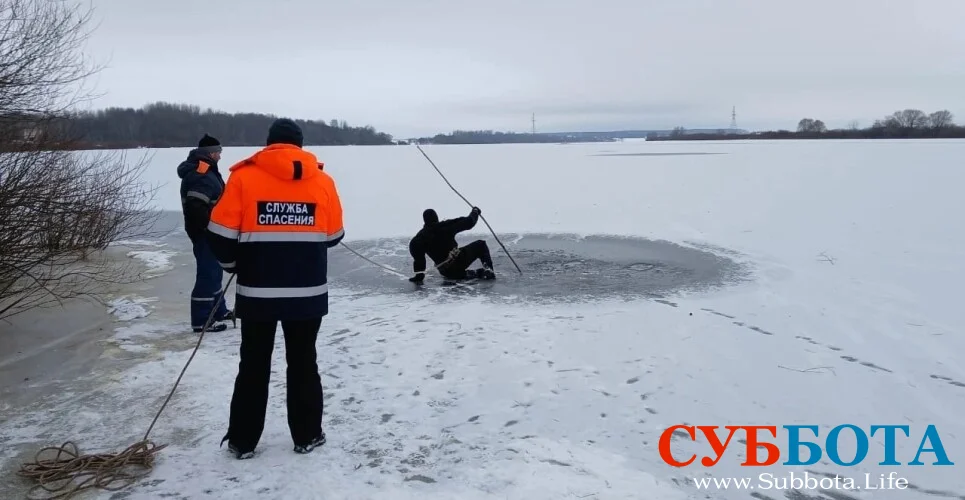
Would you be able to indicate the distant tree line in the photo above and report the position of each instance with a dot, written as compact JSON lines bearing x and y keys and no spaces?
{"x":164,"y":124}
{"x":491,"y":137}
{"x":905,"y":124}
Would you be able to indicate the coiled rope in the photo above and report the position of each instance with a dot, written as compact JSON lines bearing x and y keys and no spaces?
{"x":68,"y":472}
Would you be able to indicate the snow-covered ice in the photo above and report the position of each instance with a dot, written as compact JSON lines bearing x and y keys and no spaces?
{"x":847,"y":313}
{"x":130,"y":308}
{"x":157,"y":261}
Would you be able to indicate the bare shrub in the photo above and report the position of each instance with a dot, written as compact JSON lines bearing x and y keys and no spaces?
{"x":59,"y":208}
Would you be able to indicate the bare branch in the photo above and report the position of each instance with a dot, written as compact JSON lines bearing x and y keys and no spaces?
{"x":941,"y":119}
{"x":61,"y":208}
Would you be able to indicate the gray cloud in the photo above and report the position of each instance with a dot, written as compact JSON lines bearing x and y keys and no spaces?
{"x":414,"y":68}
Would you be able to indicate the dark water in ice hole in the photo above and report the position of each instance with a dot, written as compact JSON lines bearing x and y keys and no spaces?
{"x":556,"y":267}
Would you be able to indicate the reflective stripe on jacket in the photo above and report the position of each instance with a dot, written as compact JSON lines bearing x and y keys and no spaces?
{"x":201,"y":186}
{"x":273,"y":226}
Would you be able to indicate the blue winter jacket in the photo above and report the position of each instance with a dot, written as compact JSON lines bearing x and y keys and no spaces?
{"x":201,"y":187}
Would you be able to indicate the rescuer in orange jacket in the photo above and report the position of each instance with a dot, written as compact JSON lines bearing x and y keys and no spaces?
{"x":272,"y":227}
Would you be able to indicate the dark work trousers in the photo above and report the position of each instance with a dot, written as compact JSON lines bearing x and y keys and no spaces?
{"x":250,"y":399}
{"x":207,"y":284}
{"x":468,"y":254}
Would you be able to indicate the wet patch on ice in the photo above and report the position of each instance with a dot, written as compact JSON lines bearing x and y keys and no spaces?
{"x":556,"y":268}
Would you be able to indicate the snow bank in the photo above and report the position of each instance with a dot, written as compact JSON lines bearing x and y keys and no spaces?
{"x":130,"y":308}
{"x":157,"y":261}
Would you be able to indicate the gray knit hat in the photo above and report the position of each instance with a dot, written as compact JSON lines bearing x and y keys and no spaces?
{"x":209,"y":144}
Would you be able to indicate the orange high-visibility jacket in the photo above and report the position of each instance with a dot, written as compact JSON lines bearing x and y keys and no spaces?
{"x":273,"y":226}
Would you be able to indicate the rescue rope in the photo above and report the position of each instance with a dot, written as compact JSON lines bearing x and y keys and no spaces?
{"x":370,"y":261}
{"x":470,"y":206}
{"x":69,"y":472}
{"x":452,"y":255}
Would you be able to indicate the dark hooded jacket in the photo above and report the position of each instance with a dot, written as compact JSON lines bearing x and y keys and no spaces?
{"x":201,"y":187}
{"x":437,"y":238}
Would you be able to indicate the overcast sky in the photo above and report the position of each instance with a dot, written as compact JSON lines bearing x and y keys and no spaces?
{"x":419,"y":67}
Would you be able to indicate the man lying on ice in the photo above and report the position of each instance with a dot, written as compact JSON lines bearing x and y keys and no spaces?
{"x":438,"y":240}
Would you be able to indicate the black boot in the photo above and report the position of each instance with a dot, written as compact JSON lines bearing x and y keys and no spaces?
{"x":307,"y":448}
{"x":230,"y":316}
{"x":217,"y":327}
{"x":486,"y":273}
{"x":239,"y":454}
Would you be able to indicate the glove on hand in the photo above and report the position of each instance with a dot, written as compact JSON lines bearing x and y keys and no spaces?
{"x":475,"y":211}
{"x":418,"y":278}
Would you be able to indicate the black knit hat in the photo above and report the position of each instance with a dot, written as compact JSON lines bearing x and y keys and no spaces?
{"x":207,"y":140}
{"x":429,"y":216}
{"x":285,"y":131}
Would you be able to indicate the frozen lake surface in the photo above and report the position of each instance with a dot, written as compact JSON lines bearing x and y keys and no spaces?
{"x":769,"y":283}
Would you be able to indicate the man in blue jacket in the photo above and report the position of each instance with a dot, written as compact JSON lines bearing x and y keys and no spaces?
{"x":201,"y":187}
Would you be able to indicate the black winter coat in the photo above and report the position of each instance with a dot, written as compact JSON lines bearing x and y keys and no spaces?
{"x":437,"y":240}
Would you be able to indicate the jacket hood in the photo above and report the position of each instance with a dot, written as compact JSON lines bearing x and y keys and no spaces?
{"x":191,"y":164}
{"x":284,"y":161}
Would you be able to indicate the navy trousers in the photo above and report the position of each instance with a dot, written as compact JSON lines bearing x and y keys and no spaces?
{"x":249,"y":402}
{"x":207,"y":285}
